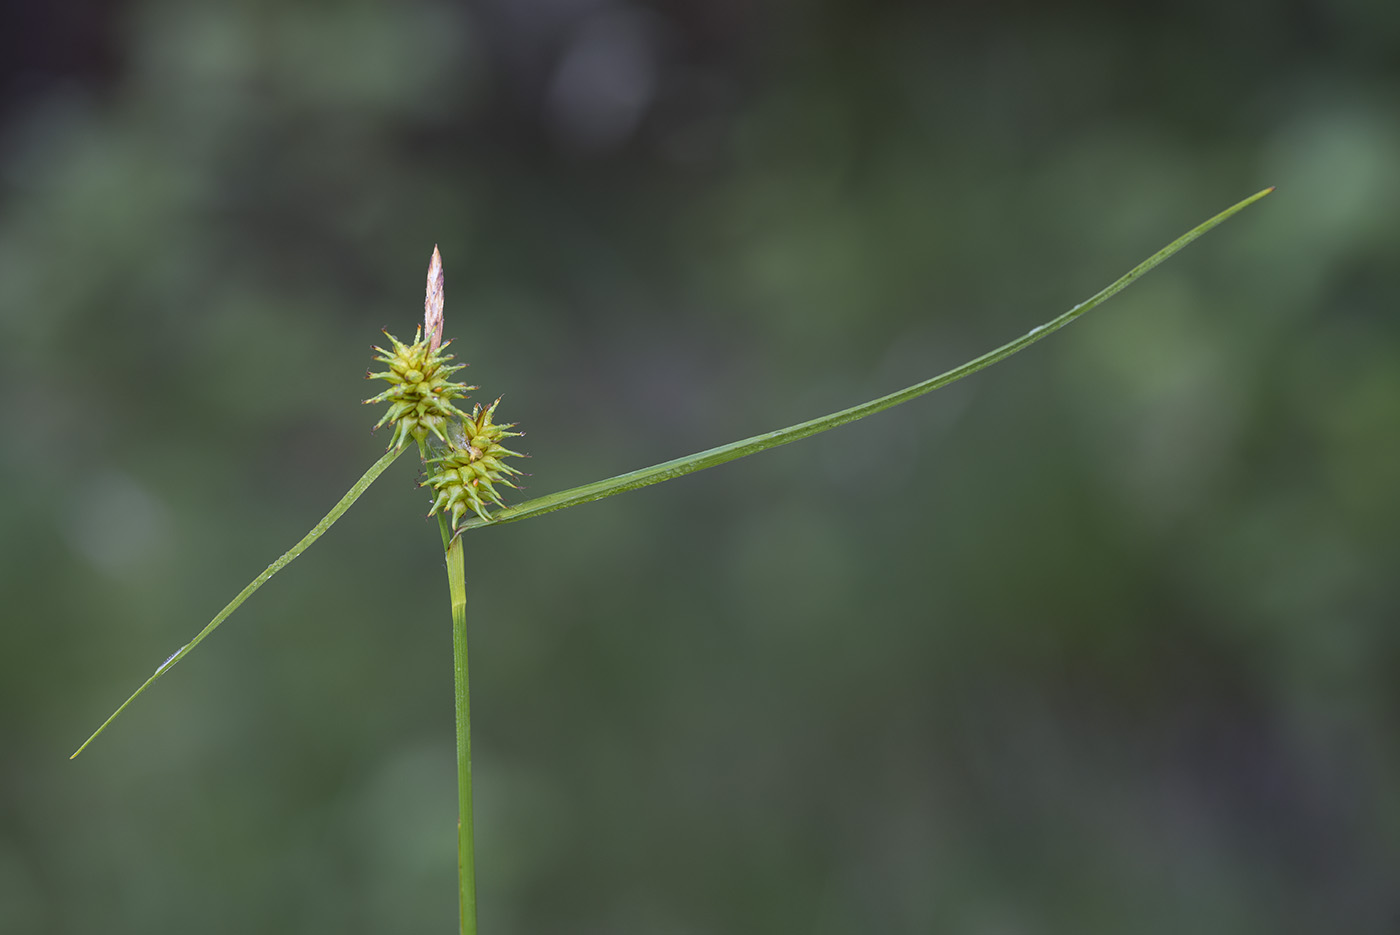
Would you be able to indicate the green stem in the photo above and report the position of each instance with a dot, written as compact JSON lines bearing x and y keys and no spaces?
{"x":353,"y":494}
{"x":461,"y":687}
{"x":466,"y":859}
{"x":681,"y":466}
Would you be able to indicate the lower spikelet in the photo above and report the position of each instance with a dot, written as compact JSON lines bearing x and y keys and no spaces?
{"x":467,"y":475}
{"x":420,"y":394}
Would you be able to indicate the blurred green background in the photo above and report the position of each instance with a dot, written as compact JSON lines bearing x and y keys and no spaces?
{"x":1101,"y":640}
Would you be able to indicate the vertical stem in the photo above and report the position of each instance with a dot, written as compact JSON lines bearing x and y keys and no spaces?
{"x":466,"y":860}
{"x":466,"y":852}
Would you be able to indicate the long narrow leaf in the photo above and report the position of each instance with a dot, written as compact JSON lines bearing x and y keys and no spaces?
{"x":705,"y":459}
{"x":379,"y":467}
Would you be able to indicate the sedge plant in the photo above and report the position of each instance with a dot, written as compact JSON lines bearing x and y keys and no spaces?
{"x":468,"y":470}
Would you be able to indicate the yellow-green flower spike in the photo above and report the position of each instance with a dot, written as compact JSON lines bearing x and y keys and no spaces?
{"x":466,"y":477}
{"x":420,"y":394}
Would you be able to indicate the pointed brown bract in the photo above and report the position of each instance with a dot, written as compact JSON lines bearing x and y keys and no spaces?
{"x":433,"y":300}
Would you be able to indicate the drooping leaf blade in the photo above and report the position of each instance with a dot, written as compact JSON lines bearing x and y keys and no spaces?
{"x":379,"y":467}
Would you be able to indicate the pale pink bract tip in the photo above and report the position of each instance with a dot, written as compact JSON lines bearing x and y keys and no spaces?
{"x":433,"y":301}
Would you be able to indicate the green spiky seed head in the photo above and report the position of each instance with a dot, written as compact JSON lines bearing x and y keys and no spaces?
{"x":468,"y":475}
{"x":420,"y":392}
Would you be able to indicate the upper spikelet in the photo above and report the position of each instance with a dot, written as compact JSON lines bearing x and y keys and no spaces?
{"x":420,"y":394}
{"x":466,"y":476}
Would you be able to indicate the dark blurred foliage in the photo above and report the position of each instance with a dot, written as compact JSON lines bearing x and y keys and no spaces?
{"x":1102,"y":640}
